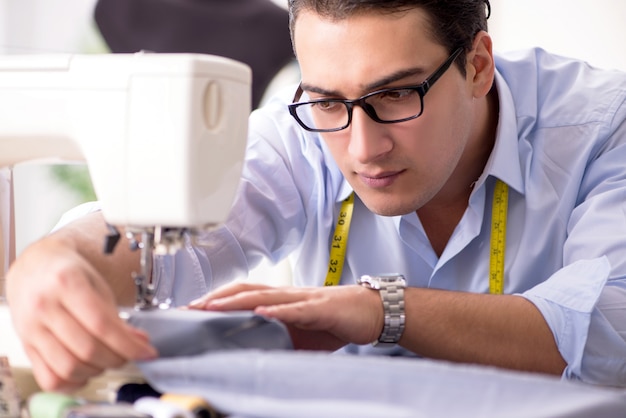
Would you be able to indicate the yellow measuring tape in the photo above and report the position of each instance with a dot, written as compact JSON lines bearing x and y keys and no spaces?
{"x":499,"y":210}
{"x":339,"y":243}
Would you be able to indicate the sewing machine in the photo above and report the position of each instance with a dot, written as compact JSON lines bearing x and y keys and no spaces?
{"x":163,"y":136}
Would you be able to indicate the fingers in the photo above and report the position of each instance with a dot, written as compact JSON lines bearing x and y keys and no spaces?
{"x":55,"y":367}
{"x":67,"y":319}
{"x":69,"y":346}
{"x":90,"y":315}
{"x":100,"y":341}
{"x":304,"y":314}
{"x":207,"y":301}
{"x":326,"y":320}
{"x":45,"y":377}
{"x":250,"y":298}
{"x":350,"y":313}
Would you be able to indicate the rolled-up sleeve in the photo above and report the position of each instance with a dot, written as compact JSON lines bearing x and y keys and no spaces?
{"x":585,"y":311}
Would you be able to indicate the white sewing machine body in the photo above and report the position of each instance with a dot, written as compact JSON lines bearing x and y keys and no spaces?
{"x":163,"y":135}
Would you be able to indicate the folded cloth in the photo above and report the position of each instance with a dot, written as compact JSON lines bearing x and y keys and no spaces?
{"x":178,"y":332}
{"x":277,"y":384}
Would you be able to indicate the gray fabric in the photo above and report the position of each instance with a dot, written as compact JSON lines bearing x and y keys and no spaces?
{"x":177,"y":333}
{"x":272,"y":384}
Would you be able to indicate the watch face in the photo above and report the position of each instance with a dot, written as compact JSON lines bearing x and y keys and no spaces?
{"x":376,"y":282}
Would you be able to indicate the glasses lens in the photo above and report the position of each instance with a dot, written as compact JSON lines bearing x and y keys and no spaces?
{"x":396,"y":104}
{"x":389,"y":105}
{"x":323,"y":115}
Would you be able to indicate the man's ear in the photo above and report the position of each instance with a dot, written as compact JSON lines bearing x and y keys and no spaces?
{"x":481,"y":65}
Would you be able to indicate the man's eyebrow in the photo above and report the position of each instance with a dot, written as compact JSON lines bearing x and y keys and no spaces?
{"x":314,"y":89}
{"x":377,"y":84}
{"x":397,"y":76}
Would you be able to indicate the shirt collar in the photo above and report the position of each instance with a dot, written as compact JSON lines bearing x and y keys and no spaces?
{"x":504,"y":161}
{"x":344,"y":191}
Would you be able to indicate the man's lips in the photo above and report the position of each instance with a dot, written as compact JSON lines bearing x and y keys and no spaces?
{"x":379,"y":180}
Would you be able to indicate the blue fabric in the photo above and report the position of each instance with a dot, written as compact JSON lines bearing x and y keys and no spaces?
{"x":182,"y":332}
{"x":561,"y":148}
{"x":250,"y":383}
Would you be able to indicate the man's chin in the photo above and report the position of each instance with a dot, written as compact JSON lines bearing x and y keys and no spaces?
{"x":387,"y":207}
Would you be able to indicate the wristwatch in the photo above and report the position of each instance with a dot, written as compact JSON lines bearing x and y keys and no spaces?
{"x":391,"y":289}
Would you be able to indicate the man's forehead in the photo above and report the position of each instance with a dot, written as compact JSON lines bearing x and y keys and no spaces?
{"x":382,"y":15}
{"x":363,"y":53}
{"x":399,"y":29}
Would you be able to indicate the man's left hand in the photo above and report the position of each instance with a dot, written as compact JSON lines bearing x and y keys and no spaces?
{"x":318,"y":318}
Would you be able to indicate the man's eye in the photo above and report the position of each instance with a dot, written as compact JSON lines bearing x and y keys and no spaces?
{"x":327,"y":106}
{"x":401,"y":94}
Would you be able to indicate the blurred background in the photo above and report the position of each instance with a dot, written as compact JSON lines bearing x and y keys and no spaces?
{"x":593,"y":31}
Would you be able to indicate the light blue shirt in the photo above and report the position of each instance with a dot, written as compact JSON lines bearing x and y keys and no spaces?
{"x":561,"y":148}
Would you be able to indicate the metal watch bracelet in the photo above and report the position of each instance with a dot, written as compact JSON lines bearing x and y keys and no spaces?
{"x":393,"y":304}
{"x":391,"y":290}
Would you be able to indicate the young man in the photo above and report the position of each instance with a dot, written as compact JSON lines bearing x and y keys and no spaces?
{"x":403,"y":104}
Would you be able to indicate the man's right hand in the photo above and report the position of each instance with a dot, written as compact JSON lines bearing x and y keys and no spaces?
{"x":67,"y":317}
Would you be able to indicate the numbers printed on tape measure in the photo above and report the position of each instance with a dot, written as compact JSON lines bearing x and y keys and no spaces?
{"x":339,"y":243}
{"x":499,"y":210}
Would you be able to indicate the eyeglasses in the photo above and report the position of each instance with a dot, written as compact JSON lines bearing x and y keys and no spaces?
{"x":392,"y":105}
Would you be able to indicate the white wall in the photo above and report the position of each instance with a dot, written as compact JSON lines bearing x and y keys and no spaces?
{"x":591,"y":30}
{"x":42,"y":27}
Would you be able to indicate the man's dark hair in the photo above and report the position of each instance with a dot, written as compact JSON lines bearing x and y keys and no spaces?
{"x":453,"y":23}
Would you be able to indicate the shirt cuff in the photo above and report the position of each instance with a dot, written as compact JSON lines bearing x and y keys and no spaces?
{"x":77,"y":212}
{"x":212,"y":261}
{"x":566,"y":301}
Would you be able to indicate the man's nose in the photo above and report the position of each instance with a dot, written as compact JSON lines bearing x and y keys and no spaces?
{"x":368,"y":139}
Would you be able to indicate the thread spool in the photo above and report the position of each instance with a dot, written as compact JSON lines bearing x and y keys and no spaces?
{"x":118,"y":410}
{"x":10,"y":400}
{"x":50,"y":405}
{"x":157,"y":408}
{"x":197,"y":405}
{"x":130,"y":392}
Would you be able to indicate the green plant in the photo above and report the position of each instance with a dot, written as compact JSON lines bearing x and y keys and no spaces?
{"x":76,"y":178}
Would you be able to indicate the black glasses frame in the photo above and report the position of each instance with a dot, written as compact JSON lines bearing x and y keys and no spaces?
{"x":421,"y":89}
